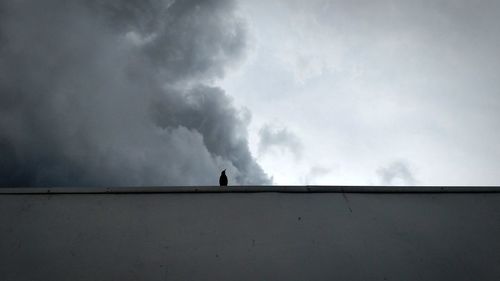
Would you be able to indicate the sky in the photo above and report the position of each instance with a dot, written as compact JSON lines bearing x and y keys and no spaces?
{"x":164,"y":92}
{"x":373,"y":92}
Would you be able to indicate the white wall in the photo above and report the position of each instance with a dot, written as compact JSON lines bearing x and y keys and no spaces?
{"x":250,"y":236}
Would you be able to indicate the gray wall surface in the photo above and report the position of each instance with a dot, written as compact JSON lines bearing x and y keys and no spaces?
{"x":250,"y":236}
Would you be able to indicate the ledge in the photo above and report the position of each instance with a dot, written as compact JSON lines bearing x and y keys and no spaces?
{"x":250,"y":189}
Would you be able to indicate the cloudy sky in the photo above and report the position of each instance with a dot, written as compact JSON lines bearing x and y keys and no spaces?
{"x":373,"y":92}
{"x":164,"y":92}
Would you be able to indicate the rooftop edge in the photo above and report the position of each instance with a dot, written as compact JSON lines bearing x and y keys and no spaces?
{"x":250,"y":189}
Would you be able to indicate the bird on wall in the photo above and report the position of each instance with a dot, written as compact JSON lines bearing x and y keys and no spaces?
{"x":223,"y":178}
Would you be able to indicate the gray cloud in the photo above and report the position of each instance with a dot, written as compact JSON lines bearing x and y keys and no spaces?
{"x":396,"y":173}
{"x":119,"y":93}
{"x":315,"y":172}
{"x":379,"y":80}
{"x":272,"y":137}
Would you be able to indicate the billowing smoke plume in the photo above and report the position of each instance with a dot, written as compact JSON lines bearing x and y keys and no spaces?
{"x":110,"y":92}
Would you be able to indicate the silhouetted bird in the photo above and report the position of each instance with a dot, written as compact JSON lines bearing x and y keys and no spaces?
{"x":223,"y":178}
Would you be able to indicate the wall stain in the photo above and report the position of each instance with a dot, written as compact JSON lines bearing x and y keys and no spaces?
{"x":347,"y":201}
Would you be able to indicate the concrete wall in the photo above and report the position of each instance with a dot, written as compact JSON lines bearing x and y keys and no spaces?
{"x":250,"y":236}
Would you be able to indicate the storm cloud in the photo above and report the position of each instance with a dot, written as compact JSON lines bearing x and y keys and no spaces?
{"x":120,"y":93}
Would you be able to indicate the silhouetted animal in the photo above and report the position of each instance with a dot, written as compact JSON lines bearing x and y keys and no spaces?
{"x":223,"y":178}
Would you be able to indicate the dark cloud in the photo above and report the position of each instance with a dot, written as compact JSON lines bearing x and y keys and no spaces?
{"x":119,"y":93}
{"x":396,"y":173}
{"x":281,"y":138}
